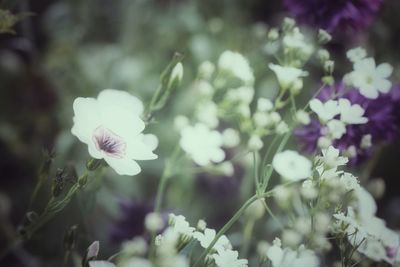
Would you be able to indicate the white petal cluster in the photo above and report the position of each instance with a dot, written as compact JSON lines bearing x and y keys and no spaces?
{"x":368,"y":233}
{"x":288,"y":77}
{"x":229,"y":258}
{"x":112,"y":128}
{"x":291,"y":258}
{"x":329,"y":110}
{"x":369,"y":78}
{"x":207,"y":236}
{"x":202,"y":144}
{"x":291,"y":165}
{"x":237,"y":65}
{"x":329,"y":163}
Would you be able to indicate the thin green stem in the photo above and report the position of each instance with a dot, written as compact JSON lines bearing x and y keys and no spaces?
{"x":247,"y":234}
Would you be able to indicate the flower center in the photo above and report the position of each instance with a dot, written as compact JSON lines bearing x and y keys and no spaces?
{"x":109,"y":142}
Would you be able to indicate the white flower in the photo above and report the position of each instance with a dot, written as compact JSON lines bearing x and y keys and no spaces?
{"x":111,"y":127}
{"x":206,"y":69}
{"x":264,"y":104}
{"x":336,"y":128}
{"x":325,"y":111}
{"x":282,"y":128}
{"x":255,"y":143}
{"x":332,"y":159}
{"x":369,"y":78}
{"x":303,"y":117}
{"x":236,"y":64}
{"x":208,"y":236}
{"x":229,"y":258}
{"x":153,"y":221}
{"x":262,"y":119}
{"x":287,"y":76}
{"x":295,"y":40}
{"x":243,"y":94}
{"x":291,"y":165}
{"x":349,"y":181}
{"x":202,"y":144}
{"x":180,"y":225}
{"x":101,"y":264}
{"x":351,"y":114}
{"x":231,"y":137}
{"x":366,"y":141}
{"x":356,"y":54}
{"x":180,"y":122}
{"x":291,"y":258}
{"x":207,"y":113}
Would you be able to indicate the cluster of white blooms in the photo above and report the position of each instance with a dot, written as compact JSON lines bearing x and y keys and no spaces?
{"x":301,"y":257}
{"x":335,"y":115}
{"x":112,"y":127}
{"x":366,"y":232}
{"x":366,"y":76}
{"x":266,"y":120}
{"x":180,"y":233}
{"x":237,"y":65}
{"x":289,"y":78}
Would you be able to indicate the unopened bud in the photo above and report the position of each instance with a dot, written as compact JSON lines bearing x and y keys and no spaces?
{"x":93,"y":164}
{"x":176,"y":75}
{"x":324,"y":37}
{"x":70,"y":238}
{"x":329,"y":66}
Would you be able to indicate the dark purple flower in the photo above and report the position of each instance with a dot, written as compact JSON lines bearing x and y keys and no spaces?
{"x":383,"y":122}
{"x":334,"y":15}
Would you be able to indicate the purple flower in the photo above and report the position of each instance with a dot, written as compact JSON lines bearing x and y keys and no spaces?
{"x":334,"y":15}
{"x":383,"y":122}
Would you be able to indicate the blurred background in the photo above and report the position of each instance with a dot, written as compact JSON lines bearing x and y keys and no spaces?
{"x":54,"y":51}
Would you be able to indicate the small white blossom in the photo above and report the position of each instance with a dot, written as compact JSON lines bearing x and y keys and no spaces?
{"x":303,"y":117}
{"x":282,"y":128}
{"x":243,"y":94}
{"x":153,"y":222}
{"x":206,"y":70}
{"x":290,"y":258}
{"x":366,"y":141}
{"x":230,"y":137}
{"x":176,"y":74}
{"x":295,"y":40}
{"x":336,"y":128}
{"x":325,"y":111}
{"x":356,"y":54}
{"x":324,"y":142}
{"x":208,"y":236}
{"x":112,"y":128}
{"x":369,"y":78}
{"x":229,"y":258}
{"x":291,"y":165}
{"x":180,"y":122}
{"x":331,"y":157}
{"x":204,"y":88}
{"x":207,"y":113}
{"x":264,"y":104}
{"x":255,"y":143}
{"x":180,"y":225}
{"x":262,"y":119}
{"x":237,"y":65}
{"x":349,"y":181}
{"x":287,"y":76}
{"x":291,"y":238}
{"x":351,"y":114}
{"x":202,"y":144}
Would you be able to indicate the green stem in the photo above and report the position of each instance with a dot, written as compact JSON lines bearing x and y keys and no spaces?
{"x":247,"y":233}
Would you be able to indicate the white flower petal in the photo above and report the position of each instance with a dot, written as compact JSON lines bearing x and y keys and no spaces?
{"x":122,"y":99}
{"x":139,"y":151}
{"x":86,"y":118}
{"x":384,"y":70}
{"x":124,"y":166}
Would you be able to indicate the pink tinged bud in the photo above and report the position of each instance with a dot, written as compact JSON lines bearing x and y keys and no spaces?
{"x":109,"y":142}
{"x":93,"y":250}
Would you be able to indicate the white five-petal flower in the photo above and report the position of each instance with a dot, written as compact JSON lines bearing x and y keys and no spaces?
{"x":291,"y":165}
{"x":112,"y":128}
{"x":208,"y":236}
{"x":325,"y":111}
{"x":351,"y":114}
{"x":369,"y":78}
{"x":202,"y":144}
{"x":287,"y":76}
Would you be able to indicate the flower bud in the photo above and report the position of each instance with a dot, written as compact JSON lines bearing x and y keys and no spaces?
{"x":273,"y":34}
{"x":93,"y":251}
{"x":93,"y":164}
{"x":176,"y":75}
{"x":324,"y":37}
{"x":329,"y":66}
